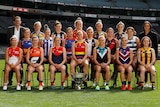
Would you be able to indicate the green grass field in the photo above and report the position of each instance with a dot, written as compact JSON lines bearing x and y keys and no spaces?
{"x":74,"y":98}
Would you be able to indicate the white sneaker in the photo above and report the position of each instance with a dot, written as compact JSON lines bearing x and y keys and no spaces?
{"x":79,"y":87}
{"x":28,"y":88}
{"x":93,"y":84}
{"x":40,"y":88}
{"x":4,"y":87}
{"x":146,"y":85}
{"x":18,"y":88}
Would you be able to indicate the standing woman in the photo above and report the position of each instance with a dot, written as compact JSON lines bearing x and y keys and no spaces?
{"x":13,"y":61}
{"x":78,"y":24}
{"x":99,"y":31}
{"x":120,"y":30}
{"x":124,"y":59}
{"x":79,"y":54}
{"x":25,"y":43}
{"x":146,"y":60}
{"x":47,"y":42}
{"x":113,"y":44}
{"x":34,"y":59}
{"x":57,"y":60}
{"x":58,"y":31}
{"x":91,"y":44}
{"x":37,"y":32}
{"x":102,"y":59}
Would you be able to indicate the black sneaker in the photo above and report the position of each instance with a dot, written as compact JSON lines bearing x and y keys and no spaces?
{"x":153,"y":87}
{"x":142,"y":87}
{"x":10,"y":83}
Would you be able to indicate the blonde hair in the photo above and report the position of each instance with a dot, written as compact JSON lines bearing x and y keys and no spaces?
{"x":146,"y":37}
{"x":132,"y":28}
{"x":37,"y":22}
{"x":90,"y":28}
{"x":99,"y":22}
{"x":78,"y":20}
{"x":120,"y":23}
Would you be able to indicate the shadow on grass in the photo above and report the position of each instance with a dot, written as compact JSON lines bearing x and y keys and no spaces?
{"x":57,"y":90}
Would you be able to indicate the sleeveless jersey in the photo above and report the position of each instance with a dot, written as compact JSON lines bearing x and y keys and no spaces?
{"x":118,"y":36}
{"x":57,"y":54}
{"x":124,"y":55}
{"x":25,"y":45}
{"x":96,"y":34}
{"x":91,"y":45}
{"x":102,"y":54}
{"x":13,"y":54}
{"x":79,"y":50}
{"x":14,"y":51}
{"x":112,"y":45}
{"x":132,"y":44}
{"x":40,"y":35}
{"x":75,"y":32}
{"x":68,"y":46}
{"x":47,"y":44}
{"x":60,"y":35}
{"x":35,"y":54}
{"x":146,"y":55}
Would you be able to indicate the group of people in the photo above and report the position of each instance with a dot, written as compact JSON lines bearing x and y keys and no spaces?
{"x":126,"y":51}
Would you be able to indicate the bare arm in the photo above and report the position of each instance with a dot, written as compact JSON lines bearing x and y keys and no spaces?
{"x":64,"y":57}
{"x":117,"y":57}
{"x":108,"y":56}
{"x":95,"y":56}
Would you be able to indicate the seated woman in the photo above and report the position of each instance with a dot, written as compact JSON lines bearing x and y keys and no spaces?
{"x":57,"y":59}
{"x":13,"y":61}
{"x":79,"y":55}
{"x":34,"y":60}
{"x":102,"y":59}
{"x":124,"y":60}
{"x":146,"y":60}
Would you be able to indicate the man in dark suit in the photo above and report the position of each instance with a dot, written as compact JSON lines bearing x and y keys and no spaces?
{"x":17,"y":30}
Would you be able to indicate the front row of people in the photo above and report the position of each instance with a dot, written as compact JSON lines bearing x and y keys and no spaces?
{"x":101,"y":56}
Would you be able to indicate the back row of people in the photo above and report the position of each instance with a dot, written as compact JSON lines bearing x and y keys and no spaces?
{"x":81,"y":50}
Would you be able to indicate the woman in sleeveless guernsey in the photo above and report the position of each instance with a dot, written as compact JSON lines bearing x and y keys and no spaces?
{"x":99,"y":31}
{"x":102,"y":59}
{"x":124,"y":59}
{"x":13,"y":59}
{"x":113,"y":44}
{"x":57,"y":59}
{"x":68,"y":43}
{"x":134,"y":44}
{"x":78,"y":24}
{"x":79,"y":55}
{"x":37,"y":32}
{"x":25,"y":43}
{"x":58,"y":31}
{"x":91,"y":44}
{"x":34,"y":59}
{"x":47,"y":42}
{"x":146,"y":60}
{"x":120,"y":30}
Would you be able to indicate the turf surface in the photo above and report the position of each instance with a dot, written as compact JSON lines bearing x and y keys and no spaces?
{"x":83,"y":98}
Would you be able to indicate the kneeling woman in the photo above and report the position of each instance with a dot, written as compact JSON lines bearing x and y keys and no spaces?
{"x":57,"y":59}
{"x":146,"y":60}
{"x":34,"y":59}
{"x":13,"y":61}
{"x":102,"y":59}
{"x":124,"y":59}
